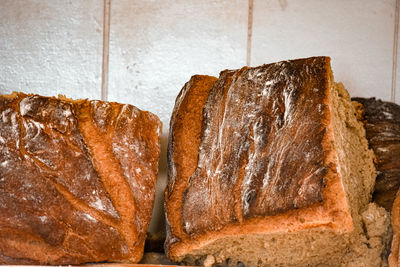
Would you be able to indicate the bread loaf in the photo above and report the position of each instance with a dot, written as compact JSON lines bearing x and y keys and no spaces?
{"x":77,"y":180}
{"x":382,"y":125}
{"x":268,"y":166}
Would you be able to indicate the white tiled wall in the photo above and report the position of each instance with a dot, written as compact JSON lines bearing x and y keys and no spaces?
{"x":55,"y":47}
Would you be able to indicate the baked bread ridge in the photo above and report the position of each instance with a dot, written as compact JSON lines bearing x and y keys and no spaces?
{"x":77,"y":180}
{"x":188,"y":107}
{"x":334,"y":219}
{"x":382,"y":124}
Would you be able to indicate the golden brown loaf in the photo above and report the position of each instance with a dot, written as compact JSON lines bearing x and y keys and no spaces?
{"x":269,"y":166}
{"x":77,"y":180}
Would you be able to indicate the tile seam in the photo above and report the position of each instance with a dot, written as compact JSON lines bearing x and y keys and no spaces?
{"x":106,"y":49}
{"x":395,"y":49}
{"x":249,"y":31}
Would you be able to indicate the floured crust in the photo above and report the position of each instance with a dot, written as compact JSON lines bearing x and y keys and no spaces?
{"x":224,"y":200}
{"x":77,"y":180}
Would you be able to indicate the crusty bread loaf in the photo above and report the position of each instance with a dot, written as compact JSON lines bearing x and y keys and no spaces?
{"x":77,"y":180}
{"x":268,"y":166}
{"x":382,"y":125}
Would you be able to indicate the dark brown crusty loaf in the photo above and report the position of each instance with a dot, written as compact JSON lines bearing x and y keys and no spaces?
{"x":268,"y":166}
{"x":77,"y":180}
{"x":382,"y":125}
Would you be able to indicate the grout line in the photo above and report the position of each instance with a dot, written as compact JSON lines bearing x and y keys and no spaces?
{"x":395,"y":48}
{"x":106,"y":48}
{"x":249,"y":32}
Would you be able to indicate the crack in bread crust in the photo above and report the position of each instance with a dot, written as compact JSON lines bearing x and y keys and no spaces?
{"x":107,"y":166}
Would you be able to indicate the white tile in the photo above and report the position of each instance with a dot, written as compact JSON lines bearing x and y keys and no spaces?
{"x":156,"y":46}
{"x":357,"y":35}
{"x":51,"y":47}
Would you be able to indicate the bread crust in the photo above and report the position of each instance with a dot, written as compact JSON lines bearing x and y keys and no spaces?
{"x":77,"y":180}
{"x":382,"y":125}
{"x":213,"y":205}
{"x":188,"y":108}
